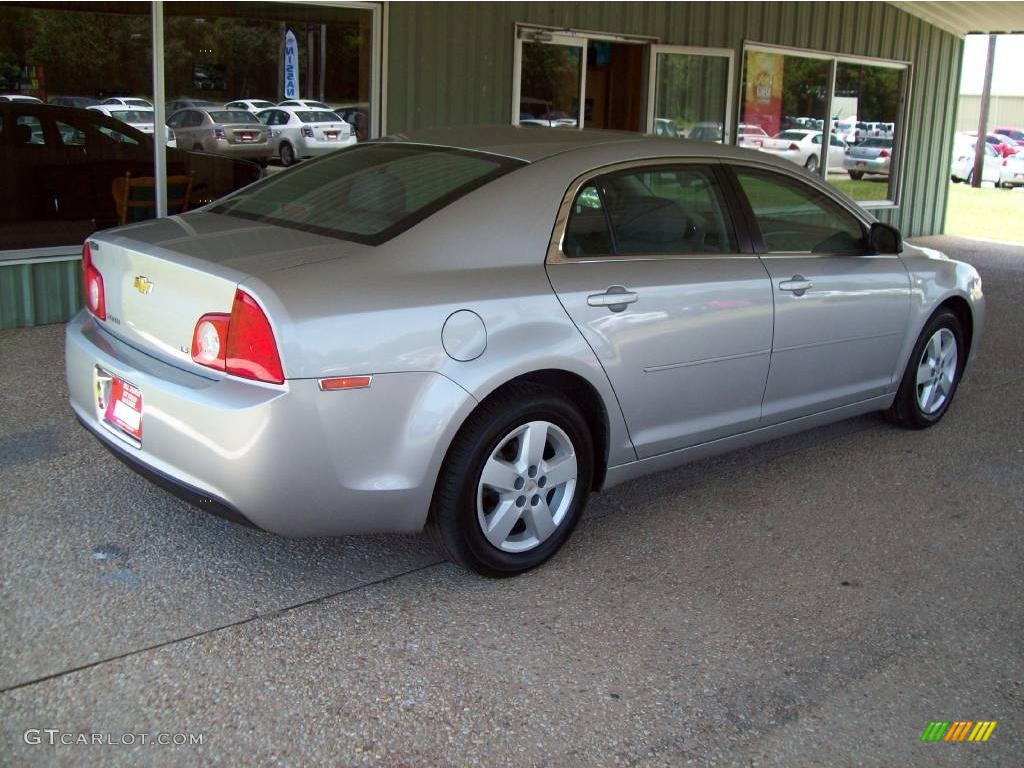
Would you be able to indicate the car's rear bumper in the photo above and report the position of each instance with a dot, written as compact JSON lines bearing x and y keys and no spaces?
{"x":866,"y":165}
{"x":255,"y":151}
{"x":313,"y":148}
{"x":289,"y":459}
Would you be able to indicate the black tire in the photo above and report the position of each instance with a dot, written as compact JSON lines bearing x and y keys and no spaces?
{"x":287,"y":154}
{"x":905,"y":410}
{"x":811,"y":164}
{"x":856,"y":175}
{"x":453,"y":522}
{"x":955,"y":179}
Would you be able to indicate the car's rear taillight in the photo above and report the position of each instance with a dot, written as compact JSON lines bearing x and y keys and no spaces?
{"x":1006,"y":162}
{"x":794,"y":147}
{"x":307,"y":132}
{"x":884,"y":153}
{"x":92,"y":285}
{"x":219,"y":132}
{"x":241,"y":343}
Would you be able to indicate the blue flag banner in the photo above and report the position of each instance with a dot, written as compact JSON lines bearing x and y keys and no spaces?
{"x":291,"y":66}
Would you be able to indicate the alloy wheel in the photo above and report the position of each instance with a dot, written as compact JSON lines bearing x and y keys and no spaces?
{"x":936,"y":371}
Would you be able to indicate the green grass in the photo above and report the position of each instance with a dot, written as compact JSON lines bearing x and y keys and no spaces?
{"x":872,"y":188}
{"x":986,"y":213}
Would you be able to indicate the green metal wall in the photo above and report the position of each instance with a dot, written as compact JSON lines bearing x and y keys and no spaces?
{"x":39,"y":293}
{"x":451,"y":63}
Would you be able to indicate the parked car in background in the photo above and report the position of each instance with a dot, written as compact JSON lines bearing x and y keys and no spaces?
{"x":81,"y":102}
{"x":297,"y":132}
{"x":127,"y":101}
{"x":187,"y":103}
{"x":707,"y":131}
{"x":307,"y":103}
{"x":804,"y":148}
{"x":58,"y":166}
{"x":231,"y":132}
{"x":1011,"y":172}
{"x":665,"y":127}
{"x":870,"y":156}
{"x":846,"y":129}
{"x":250,"y":105}
{"x":17,"y":97}
{"x":139,"y":118}
{"x":358,"y":116}
{"x":1017,"y":134}
{"x":1004,"y":145}
{"x":327,"y":337}
{"x":752,"y":136}
{"x":554,"y":118}
{"x":962,"y":168}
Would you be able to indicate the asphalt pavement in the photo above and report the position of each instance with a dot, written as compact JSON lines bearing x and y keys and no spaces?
{"x":814,"y":601}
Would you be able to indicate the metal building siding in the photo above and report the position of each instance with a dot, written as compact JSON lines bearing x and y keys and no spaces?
{"x":39,"y":293}
{"x":451,"y":63}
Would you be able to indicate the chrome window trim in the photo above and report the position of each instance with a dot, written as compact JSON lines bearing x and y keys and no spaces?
{"x":555,"y":254}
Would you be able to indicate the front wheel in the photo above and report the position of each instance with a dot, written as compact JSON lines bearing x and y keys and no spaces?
{"x":932,"y":374}
{"x":287,"y":154}
{"x":811,"y":164}
{"x":514,"y":483}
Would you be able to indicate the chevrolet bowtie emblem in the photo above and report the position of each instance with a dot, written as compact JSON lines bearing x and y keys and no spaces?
{"x":143,"y":284}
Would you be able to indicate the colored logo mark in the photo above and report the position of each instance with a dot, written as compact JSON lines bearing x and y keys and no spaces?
{"x":958,"y":730}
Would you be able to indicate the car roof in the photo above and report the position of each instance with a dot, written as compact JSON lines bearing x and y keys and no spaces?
{"x":532,"y":144}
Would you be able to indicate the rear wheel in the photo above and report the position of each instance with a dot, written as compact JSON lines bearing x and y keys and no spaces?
{"x":856,"y":175}
{"x":514,"y":483}
{"x":932,"y":374}
{"x":287,"y":154}
{"x":811,"y":164}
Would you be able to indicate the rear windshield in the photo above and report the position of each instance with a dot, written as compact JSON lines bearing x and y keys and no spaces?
{"x":369,"y":193}
{"x":792,"y":135}
{"x":137,"y":103}
{"x":132,"y":115}
{"x":318,"y":117}
{"x":887,"y":143}
{"x":234,"y":116}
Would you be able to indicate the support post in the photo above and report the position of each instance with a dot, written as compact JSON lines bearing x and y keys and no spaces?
{"x":979,"y":146}
{"x":159,"y":111}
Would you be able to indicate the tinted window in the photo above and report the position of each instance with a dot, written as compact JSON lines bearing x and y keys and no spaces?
{"x":318,"y":117}
{"x":28,"y":130}
{"x":369,"y":193}
{"x":667,"y":210}
{"x":70,"y":136}
{"x":233,"y":116}
{"x":795,"y":217}
{"x":792,"y":135}
{"x":587,"y":233}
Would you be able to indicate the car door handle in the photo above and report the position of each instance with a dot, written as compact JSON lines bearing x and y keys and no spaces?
{"x":615,"y":298}
{"x":798,"y":285}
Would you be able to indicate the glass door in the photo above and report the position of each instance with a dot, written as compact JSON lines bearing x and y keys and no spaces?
{"x":690,"y":93}
{"x":549,"y":85}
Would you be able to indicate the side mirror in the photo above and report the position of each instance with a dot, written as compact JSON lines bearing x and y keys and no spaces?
{"x":885,"y":238}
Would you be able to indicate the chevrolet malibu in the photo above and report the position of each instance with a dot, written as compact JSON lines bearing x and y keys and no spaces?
{"x":470,"y":331}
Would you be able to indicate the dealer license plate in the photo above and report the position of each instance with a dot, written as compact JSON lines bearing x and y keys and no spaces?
{"x":121,"y":403}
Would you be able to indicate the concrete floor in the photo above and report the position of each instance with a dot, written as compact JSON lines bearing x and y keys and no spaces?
{"x":813,"y":601}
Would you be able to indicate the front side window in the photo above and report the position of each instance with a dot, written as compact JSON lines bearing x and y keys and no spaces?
{"x":795,"y":217}
{"x":369,"y":193}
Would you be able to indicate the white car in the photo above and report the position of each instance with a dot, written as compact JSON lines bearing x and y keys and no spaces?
{"x":126,"y":101}
{"x":846,"y":129}
{"x":751,"y":135}
{"x":295,"y":132}
{"x":20,"y":98}
{"x":303,"y":103}
{"x":804,"y":148}
{"x":250,"y":105}
{"x":963,"y":162}
{"x":138,"y":118}
{"x":1011,"y":172}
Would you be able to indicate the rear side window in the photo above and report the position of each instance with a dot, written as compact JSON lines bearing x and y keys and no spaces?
{"x":369,"y":193}
{"x":652,"y":211}
{"x":795,"y":217}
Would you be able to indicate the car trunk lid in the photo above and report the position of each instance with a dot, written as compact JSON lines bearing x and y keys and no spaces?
{"x":244,"y":133}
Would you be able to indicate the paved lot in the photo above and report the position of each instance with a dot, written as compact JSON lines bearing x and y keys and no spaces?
{"x":813,"y":601}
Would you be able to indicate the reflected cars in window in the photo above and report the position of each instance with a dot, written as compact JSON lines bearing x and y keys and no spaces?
{"x":298,"y":132}
{"x":231,"y":132}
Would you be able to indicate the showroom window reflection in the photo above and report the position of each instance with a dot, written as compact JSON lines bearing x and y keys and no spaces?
{"x":835,"y":117}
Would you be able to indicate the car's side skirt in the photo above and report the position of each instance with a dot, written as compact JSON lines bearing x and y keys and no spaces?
{"x":624,"y":472}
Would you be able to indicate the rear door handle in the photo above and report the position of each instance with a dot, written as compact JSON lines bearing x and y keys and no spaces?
{"x":798,"y":285}
{"x":615,"y":298}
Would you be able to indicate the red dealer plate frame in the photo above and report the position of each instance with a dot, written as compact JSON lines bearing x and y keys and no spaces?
{"x":123,"y":407}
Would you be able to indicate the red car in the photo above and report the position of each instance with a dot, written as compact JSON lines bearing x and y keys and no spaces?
{"x":1002,"y":144}
{"x":1017,"y":134}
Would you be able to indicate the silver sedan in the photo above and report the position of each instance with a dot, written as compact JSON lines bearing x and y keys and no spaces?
{"x":470,"y":331}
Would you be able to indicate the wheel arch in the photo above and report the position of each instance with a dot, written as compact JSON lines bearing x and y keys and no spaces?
{"x":962,"y":310}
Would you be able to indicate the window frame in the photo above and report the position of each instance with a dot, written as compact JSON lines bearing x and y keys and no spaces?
{"x":900,"y":134}
{"x":729,"y":127}
{"x":744,"y":245}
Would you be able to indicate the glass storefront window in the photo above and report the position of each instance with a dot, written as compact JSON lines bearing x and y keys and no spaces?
{"x":691,"y":94}
{"x":550,"y":81}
